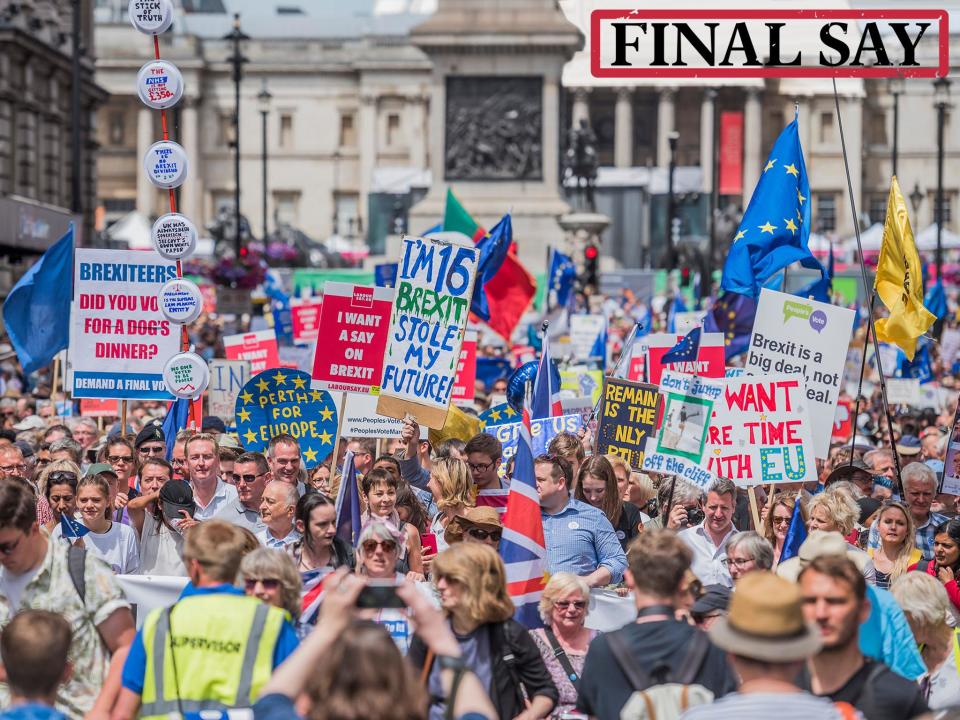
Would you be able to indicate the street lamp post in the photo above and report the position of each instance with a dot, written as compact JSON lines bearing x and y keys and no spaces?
{"x":236,"y":60}
{"x":671,"y":210}
{"x":263,"y":101}
{"x":916,"y":197}
{"x":895,"y":86}
{"x":941,"y":99}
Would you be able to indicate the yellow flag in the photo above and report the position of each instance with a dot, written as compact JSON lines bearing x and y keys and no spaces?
{"x":457,"y":425}
{"x":898,"y":281}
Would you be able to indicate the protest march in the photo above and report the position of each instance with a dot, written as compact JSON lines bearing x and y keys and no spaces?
{"x":462,"y":491}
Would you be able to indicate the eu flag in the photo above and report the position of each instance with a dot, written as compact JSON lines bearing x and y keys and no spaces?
{"x":821,"y":289}
{"x":563,"y":275}
{"x":493,"y":251}
{"x":684,"y":351}
{"x":776,"y":226}
{"x":732,"y":314}
{"x":796,"y":534}
{"x":349,"y":519}
{"x":37,"y":310}
{"x":71,"y":528}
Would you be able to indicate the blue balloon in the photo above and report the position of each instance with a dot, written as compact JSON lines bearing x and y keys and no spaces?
{"x":517,"y":384}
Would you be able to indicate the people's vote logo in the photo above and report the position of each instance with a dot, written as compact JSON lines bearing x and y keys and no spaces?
{"x":282,"y":401}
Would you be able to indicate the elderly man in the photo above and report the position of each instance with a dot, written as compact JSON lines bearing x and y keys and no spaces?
{"x":708,"y":540}
{"x":85,"y":432}
{"x":277,"y":510}
{"x":919,"y":489}
{"x":880,"y":461}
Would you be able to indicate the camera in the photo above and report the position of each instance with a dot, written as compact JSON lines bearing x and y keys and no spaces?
{"x":695,"y":516}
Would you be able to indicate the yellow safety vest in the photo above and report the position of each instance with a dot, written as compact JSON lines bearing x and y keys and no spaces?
{"x":208,"y":652}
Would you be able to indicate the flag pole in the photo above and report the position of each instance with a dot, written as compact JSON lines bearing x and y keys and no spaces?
{"x":863,"y":369}
{"x":868,"y":290}
{"x":627,"y":344}
{"x":53,"y":384}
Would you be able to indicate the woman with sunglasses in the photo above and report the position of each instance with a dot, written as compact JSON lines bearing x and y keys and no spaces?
{"x":379,"y":489}
{"x":112,"y":542}
{"x":777,"y":521}
{"x":60,"y":488}
{"x":270,"y":575}
{"x":471,"y":581}
{"x":122,"y":457}
{"x":564,"y":638}
{"x":597,"y":486}
{"x":378,"y":552}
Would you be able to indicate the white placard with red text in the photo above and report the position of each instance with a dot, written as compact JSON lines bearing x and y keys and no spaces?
{"x":259,"y":348}
{"x":711,"y":359}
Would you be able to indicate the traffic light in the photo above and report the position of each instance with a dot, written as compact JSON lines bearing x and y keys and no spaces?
{"x":685,"y":277}
{"x":591,"y":263}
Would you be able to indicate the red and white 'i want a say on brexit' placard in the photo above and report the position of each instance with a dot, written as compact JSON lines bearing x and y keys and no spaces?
{"x":352,"y":337}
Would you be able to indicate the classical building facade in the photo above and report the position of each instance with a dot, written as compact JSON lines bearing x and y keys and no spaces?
{"x":37,"y":200}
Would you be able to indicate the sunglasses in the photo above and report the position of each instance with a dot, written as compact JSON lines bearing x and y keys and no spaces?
{"x":268,"y":583}
{"x":156,"y":450}
{"x":370,"y":546}
{"x":565,"y":604}
{"x":248,"y":479}
{"x":62,"y":476}
{"x":479,"y":534}
{"x":114,"y":459}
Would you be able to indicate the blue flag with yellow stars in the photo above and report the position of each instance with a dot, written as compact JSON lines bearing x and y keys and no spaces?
{"x":686,"y":350}
{"x":775,"y":228}
{"x":281,"y":401}
{"x":501,"y":414}
{"x":563,"y":277}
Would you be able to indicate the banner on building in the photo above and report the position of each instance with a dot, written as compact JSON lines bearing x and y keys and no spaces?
{"x":119,"y":339}
{"x":427,"y":324}
{"x":628,"y":416}
{"x":761,"y":431}
{"x":258,"y":348}
{"x":793,"y":335}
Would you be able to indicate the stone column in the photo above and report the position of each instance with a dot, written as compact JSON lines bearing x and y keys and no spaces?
{"x":417,"y":131}
{"x":581,"y":106}
{"x":752,"y":139}
{"x":551,"y":126}
{"x":191,"y":195}
{"x":623,"y":133}
{"x":707,"y":149}
{"x":666,"y":114}
{"x":367,"y":138}
{"x":145,"y":189}
{"x":853,"y":132}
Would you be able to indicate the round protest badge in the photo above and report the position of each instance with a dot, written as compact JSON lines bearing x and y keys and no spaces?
{"x":181,"y":301}
{"x":174,"y":237}
{"x":281,"y":401}
{"x":151,"y":17}
{"x":159,"y":84}
{"x":186,"y":375}
{"x":166,"y":164}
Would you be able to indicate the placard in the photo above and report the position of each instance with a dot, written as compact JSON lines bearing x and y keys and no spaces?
{"x":542,"y":431}
{"x":842,"y":421}
{"x":151,"y":17}
{"x":902,"y":391}
{"x":950,"y":482}
{"x":352,"y":337}
{"x":174,"y":237}
{"x":465,"y":382}
{"x":360,"y":419}
{"x":580,"y":382}
{"x":159,"y":84}
{"x":258,"y":348}
{"x":628,"y":416}
{"x":680,"y":447}
{"x":180,"y":301}
{"x":760,"y":432}
{"x":584,"y":330}
{"x":305,"y":319}
{"x":427,"y":324}
{"x":119,"y":340}
{"x":186,"y":375}
{"x":227,"y":378}
{"x":711,"y":357}
{"x":166,"y":164}
{"x":90,"y":407}
{"x":282,"y":401}
{"x":793,"y":335}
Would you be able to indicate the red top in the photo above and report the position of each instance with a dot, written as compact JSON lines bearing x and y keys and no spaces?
{"x":953,"y":590}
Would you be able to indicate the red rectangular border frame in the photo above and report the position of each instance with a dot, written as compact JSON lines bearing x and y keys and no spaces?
{"x":940,"y":16}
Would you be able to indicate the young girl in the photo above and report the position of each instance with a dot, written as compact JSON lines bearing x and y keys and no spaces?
{"x":897,"y":549}
{"x":112,"y":542}
{"x":379,"y":490}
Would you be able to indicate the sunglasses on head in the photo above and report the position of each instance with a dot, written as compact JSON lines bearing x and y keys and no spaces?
{"x":62,"y":476}
{"x":480,"y":534}
{"x":268,"y":583}
{"x":370,"y":546}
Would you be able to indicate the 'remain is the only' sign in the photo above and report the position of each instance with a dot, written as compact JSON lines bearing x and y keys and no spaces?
{"x":646,"y":42}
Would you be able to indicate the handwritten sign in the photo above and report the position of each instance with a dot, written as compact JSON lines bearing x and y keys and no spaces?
{"x":258,"y":348}
{"x":351,"y":337}
{"x":120,"y":340}
{"x":427,"y":325}
{"x":227,"y":378}
{"x":793,"y":335}
{"x":680,"y":448}
{"x":627,"y":418}
{"x":761,"y":431}
{"x":282,"y":401}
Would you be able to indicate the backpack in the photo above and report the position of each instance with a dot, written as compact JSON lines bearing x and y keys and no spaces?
{"x":76,"y":564}
{"x":662,"y":695}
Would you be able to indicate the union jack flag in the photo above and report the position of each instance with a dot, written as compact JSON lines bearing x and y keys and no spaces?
{"x":523,"y":547}
{"x":546,"y":387}
{"x":312,"y":595}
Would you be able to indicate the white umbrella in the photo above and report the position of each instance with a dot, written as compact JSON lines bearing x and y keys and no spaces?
{"x":927,"y":239}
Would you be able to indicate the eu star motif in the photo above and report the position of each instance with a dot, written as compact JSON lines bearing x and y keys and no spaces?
{"x":792,"y":170}
{"x":767,"y":227}
{"x":299,"y":383}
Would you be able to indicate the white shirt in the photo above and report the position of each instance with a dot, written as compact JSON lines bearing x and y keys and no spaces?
{"x":117,"y":547}
{"x":707,"y":557}
{"x":161,"y":549}
{"x":223,"y":496}
{"x":267,"y":538}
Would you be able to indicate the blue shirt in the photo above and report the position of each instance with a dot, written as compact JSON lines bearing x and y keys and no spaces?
{"x":135,"y":666}
{"x":32,"y":711}
{"x":580,"y":539}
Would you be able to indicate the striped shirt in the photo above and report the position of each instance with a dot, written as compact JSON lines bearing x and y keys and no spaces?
{"x":495,"y":498}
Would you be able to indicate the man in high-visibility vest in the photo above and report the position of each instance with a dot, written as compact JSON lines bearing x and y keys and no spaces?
{"x":212,"y":650}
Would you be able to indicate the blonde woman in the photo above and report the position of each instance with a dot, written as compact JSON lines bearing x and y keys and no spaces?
{"x":777,"y":521}
{"x":472,"y":584}
{"x":898,"y":550}
{"x":564,"y":639}
{"x":450,"y":485}
{"x":270,"y":575}
{"x":832,"y":511}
